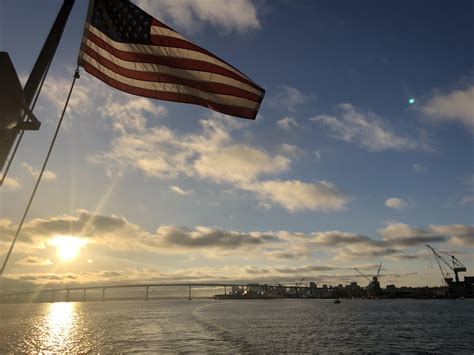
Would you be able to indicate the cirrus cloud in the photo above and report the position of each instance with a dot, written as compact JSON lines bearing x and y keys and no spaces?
{"x":365,"y":129}
{"x":396,"y":203}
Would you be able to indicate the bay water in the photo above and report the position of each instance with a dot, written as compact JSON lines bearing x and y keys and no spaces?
{"x":240,"y":326}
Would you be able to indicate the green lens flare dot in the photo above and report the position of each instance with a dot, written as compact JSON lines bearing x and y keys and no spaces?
{"x":411,"y":101}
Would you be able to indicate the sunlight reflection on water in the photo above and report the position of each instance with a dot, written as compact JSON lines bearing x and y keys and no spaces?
{"x":59,"y":325}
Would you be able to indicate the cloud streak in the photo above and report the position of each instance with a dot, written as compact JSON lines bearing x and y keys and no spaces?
{"x":454,"y":106}
{"x":364,"y":129}
{"x":227,"y":16}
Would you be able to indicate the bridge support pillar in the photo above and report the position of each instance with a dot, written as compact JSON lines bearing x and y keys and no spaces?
{"x":189,"y":294}
{"x":103,"y":294}
{"x":225,"y":290}
{"x":67,"y":295}
{"x":84,"y":295}
{"x":147,"y":291}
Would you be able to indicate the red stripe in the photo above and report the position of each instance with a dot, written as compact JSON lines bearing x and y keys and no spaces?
{"x":206,"y":86}
{"x":170,"y":96}
{"x":181,"y":63}
{"x":166,"y":41}
{"x":155,"y":22}
{"x":158,"y":23}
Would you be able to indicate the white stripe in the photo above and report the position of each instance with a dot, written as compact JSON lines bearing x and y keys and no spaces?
{"x":182,"y":73}
{"x":173,"y":88}
{"x":163,"y":51}
{"x":161,"y":31}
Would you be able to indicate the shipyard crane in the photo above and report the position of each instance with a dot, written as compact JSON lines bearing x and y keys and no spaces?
{"x":368,"y":279}
{"x":299,"y":283}
{"x":373,"y":289}
{"x":377,"y":277}
{"x":455,"y":265}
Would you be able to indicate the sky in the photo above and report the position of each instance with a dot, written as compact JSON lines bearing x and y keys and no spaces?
{"x":339,"y":170}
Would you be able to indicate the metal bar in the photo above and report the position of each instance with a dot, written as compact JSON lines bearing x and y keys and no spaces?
{"x":46,"y":55}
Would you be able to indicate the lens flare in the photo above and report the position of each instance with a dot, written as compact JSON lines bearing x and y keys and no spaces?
{"x":68,"y":247}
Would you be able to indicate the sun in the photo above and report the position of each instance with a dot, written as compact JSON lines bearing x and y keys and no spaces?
{"x":68,"y":247}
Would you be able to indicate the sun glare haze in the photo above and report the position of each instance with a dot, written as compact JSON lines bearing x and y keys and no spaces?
{"x":68,"y":248}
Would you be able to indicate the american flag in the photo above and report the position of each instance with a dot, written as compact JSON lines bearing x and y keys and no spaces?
{"x":131,"y":51}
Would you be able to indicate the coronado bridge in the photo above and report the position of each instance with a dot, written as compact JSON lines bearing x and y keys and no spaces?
{"x":141,"y":292}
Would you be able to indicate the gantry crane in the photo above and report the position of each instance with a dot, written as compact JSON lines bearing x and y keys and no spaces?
{"x":455,"y":265}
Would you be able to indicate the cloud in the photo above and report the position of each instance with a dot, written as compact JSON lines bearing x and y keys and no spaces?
{"x":337,"y":238}
{"x":180,"y":191}
{"x":396,"y":203}
{"x":115,"y":238}
{"x":295,"y":195}
{"x":455,"y":106}
{"x":131,"y":114}
{"x":367,"y":130}
{"x":236,"y":15}
{"x":287,"y":123}
{"x":34,"y":261}
{"x":117,"y":233}
{"x":403,"y":235}
{"x":214,"y":155}
{"x":239,"y":163}
{"x":82,"y":102}
{"x":48,"y":175}
{"x":317,"y":154}
{"x":461,"y":234}
{"x":288,"y":98}
{"x":404,"y":257}
{"x":206,"y":237}
{"x":11,"y":184}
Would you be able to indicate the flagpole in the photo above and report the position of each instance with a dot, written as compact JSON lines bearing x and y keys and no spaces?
{"x":37,"y":76}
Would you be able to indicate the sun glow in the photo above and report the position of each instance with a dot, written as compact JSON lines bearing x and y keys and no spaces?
{"x":68,"y":247}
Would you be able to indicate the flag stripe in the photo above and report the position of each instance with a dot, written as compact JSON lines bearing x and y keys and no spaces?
{"x":91,"y":47}
{"x":170,"y":53}
{"x":170,"y":87}
{"x":161,"y":31}
{"x":163,"y":59}
{"x":172,"y":96}
{"x":161,"y":36}
{"x":155,"y":76}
